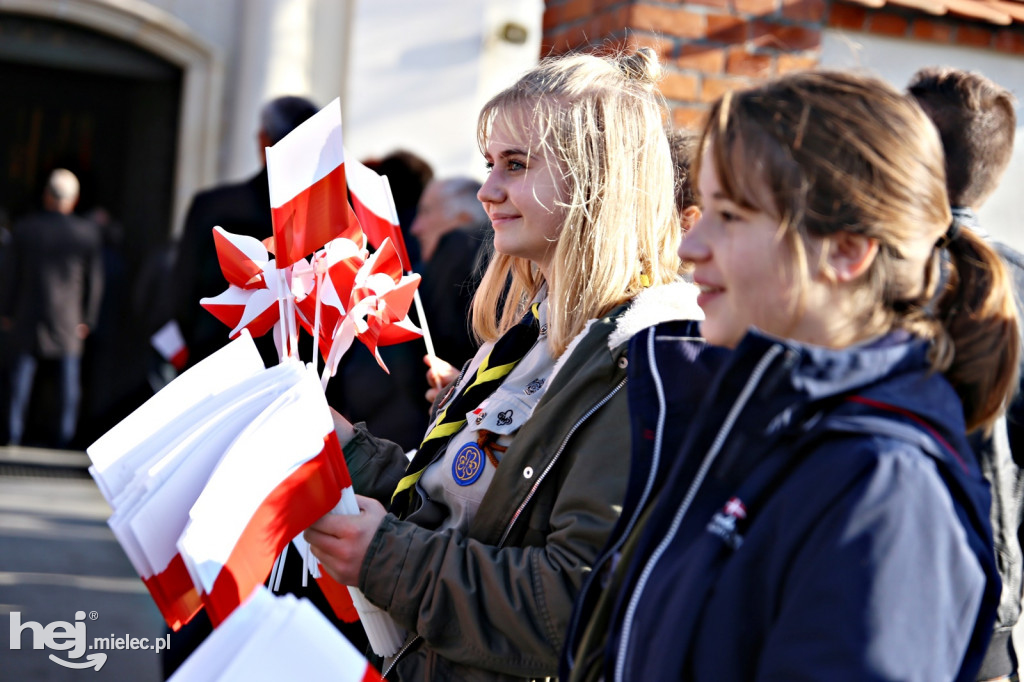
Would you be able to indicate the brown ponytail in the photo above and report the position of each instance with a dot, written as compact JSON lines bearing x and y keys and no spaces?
{"x":978,"y":316}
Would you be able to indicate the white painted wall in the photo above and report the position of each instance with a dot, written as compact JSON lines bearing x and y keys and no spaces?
{"x":420,"y":71}
{"x":896,"y":60}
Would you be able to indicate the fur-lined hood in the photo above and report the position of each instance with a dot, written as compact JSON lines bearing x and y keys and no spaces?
{"x":676,"y":301}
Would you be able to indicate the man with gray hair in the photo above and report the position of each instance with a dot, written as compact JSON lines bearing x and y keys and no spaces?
{"x":55,"y":284}
{"x":242,"y":208}
{"x":453,"y":231}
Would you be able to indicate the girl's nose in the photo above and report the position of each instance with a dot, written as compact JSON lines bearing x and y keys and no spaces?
{"x":692,"y":246}
{"x":491,"y":192}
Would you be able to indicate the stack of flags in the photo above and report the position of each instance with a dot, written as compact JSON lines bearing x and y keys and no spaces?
{"x":212,"y":477}
{"x":275,"y":638}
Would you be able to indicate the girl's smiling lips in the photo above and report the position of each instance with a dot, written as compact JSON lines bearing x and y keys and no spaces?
{"x":500,"y":218}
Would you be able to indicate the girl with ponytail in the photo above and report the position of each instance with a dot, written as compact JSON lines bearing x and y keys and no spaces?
{"x":822,"y":516}
{"x":496,"y":520}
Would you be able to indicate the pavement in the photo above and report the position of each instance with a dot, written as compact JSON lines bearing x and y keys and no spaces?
{"x":61,"y":568}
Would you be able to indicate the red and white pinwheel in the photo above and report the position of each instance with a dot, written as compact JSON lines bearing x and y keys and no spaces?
{"x":251,"y":299}
{"x":365,"y":298}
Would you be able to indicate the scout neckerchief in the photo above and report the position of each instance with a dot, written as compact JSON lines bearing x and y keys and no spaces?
{"x":506,"y":353}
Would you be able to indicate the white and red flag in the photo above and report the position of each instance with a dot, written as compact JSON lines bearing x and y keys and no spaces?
{"x":306,"y":172}
{"x":169,"y":342}
{"x":149,"y":521}
{"x":375,"y":208}
{"x":282,"y":473}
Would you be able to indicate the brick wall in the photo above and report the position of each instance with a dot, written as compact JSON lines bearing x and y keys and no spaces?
{"x":706,"y":46}
{"x":892,"y":21}
{"x":710,"y":46}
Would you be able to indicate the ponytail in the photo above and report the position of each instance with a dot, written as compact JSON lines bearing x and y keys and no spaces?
{"x":979,"y":346}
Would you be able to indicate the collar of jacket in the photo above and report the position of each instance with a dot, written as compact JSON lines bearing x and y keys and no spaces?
{"x":676,"y":301}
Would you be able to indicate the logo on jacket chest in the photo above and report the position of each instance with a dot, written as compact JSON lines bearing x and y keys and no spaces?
{"x":723,"y":523}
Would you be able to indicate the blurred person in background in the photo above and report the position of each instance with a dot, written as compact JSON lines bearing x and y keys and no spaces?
{"x":242,"y":208}
{"x":52,"y":302}
{"x":454,"y":235}
{"x":976,"y":122}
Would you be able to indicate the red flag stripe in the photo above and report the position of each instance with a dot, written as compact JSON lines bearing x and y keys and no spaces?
{"x":308,"y":493}
{"x":174,"y":593}
{"x":312,"y":218}
{"x":238,"y":268}
{"x":338,"y":597}
{"x":377,"y":229}
{"x":180,"y":359}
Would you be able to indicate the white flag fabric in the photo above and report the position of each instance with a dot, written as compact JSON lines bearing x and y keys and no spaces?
{"x":275,"y":639}
{"x":283,"y":472}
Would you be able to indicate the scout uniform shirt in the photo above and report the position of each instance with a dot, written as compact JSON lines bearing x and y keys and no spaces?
{"x":451,"y":487}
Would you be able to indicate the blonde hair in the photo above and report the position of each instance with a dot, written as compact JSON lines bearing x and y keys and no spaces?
{"x":829,"y":152}
{"x":600,"y":119}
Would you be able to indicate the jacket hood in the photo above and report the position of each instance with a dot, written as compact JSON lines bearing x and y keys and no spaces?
{"x":892,"y":371}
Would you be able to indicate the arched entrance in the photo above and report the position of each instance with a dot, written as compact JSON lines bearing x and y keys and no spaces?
{"x":123,"y":96}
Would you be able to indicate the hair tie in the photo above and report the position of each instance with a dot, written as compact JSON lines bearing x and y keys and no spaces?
{"x":952,"y":232}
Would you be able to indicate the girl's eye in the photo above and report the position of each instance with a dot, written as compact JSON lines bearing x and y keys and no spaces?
{"x":514,"y":165}
{"x":728,"y":216}
{"x":489,"y":166}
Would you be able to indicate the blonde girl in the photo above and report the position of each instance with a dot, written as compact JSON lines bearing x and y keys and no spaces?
{"x":495,"y":522}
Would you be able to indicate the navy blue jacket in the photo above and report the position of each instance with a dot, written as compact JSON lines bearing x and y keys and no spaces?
{"x":814,"y":514}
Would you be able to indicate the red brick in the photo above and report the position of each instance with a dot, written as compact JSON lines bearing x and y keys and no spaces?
{"x":689,"y":117}
{"x":850,"y":17}
{"x":580,"y":36}
{"x":726,"y":29}
{"x":886,"y":24}
{"x":703,"y":58}
{"x":551,"y":19}
{"x":932,"y":30}
{"x":679,"y":86}
{"x":713,"y":88}
{"x":803,"y":10}
{"x":560,"y":42}
{"x":786,"y":38}
{"x":720,"y":4}
{"x":759,"y":7}
{"x":1009,"y":40}
{"x":795,"y":62}
{"x":577,"y":9}
{"x":667,"y":20}
{"x":974,"y":36}
{"x":743,"y":63}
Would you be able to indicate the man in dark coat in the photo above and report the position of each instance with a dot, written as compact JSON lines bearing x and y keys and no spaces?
{"x":242,"y":208}
{"x":453,"y":232}
{"x":53,"y":298}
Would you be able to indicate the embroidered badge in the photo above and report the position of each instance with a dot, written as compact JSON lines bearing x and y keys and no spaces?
{"x":468,"y":464}
{"x":480,"y":414}
{"x":723,"y":523}
{"x":505,"y":418}
{"x":534,"y":386}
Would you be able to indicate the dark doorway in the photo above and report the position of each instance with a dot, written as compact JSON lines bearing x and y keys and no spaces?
{"x":107,"y":111}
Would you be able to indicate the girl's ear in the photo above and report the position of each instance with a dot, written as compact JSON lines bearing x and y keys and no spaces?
{"x":691,"y":214}
{"x":850,"y":255}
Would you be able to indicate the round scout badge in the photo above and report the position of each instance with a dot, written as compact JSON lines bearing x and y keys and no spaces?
{"x":468,"y":464}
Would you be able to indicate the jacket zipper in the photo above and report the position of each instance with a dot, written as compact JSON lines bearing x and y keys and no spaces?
{"x":398,"y":656}
{"x":648,"y":485}
{"x":551,"y":464}
{"x":709,"y":458}
{"x":529,"y":496}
